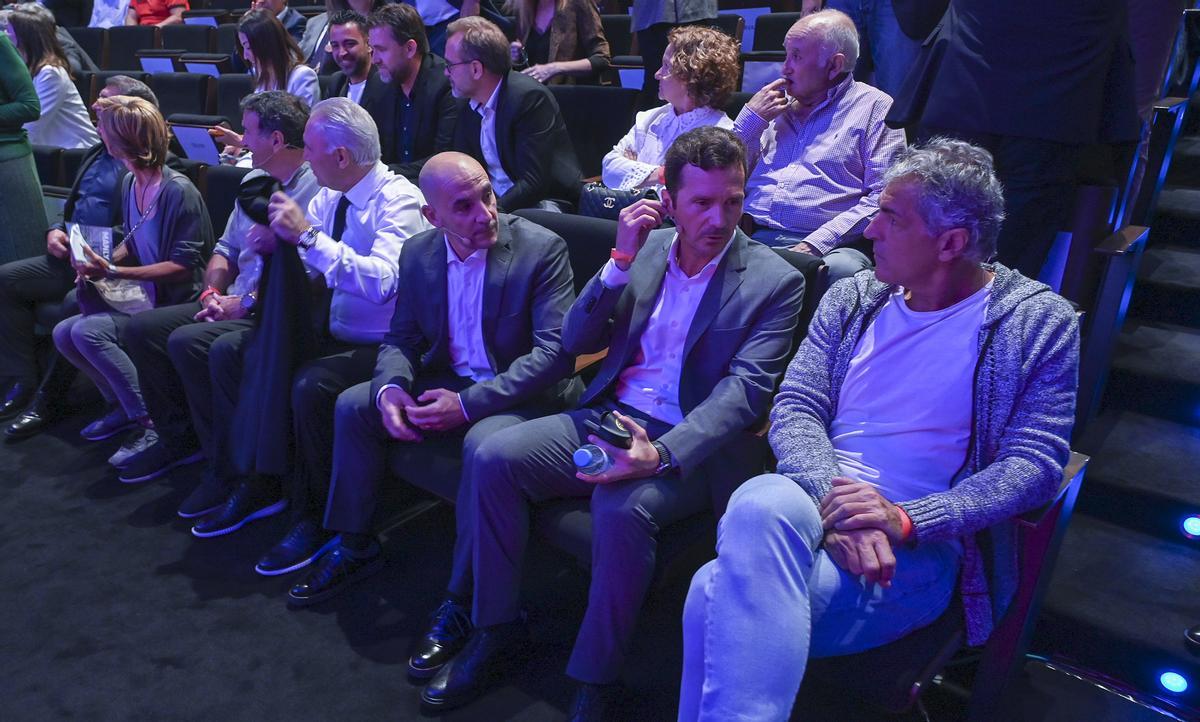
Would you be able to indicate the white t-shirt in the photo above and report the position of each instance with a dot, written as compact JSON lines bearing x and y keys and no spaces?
{"x":354,"y":91}
{"x":904,"y":414}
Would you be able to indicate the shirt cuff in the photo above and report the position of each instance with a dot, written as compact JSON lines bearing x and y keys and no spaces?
{"x":749,"y":125}
{"x":379,"y":396}
{"x":323,"y":255}
{"x":612,"y":276}
{"x":823,"y":242}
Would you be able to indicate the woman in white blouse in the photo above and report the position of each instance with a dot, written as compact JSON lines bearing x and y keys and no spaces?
{"x":275,"y":58}
{"x":698,"y":74}
{"x":64,"y":122}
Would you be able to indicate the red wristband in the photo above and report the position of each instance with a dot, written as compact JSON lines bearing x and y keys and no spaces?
{"x":621,"y":257}
{"x":207,"y":292}
{"x":906,"y":525}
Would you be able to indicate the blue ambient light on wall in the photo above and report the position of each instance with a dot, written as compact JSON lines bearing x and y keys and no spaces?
{"x":1173,"y":682}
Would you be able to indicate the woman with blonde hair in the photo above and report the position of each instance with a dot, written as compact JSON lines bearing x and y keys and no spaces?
{"x":64,"y":122}
{"x":559,"y":41}
{"x":159,"y":262}
{"x":698,"y":74}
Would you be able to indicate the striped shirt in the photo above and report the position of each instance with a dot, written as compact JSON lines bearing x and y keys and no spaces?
{"x":820,"y":176}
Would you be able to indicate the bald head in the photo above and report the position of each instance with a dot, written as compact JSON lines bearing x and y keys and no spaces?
{"x":835,"y":32}
{"x":459,"y":200}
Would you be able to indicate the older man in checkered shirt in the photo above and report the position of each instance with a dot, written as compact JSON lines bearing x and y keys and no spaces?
{"x":817,"y":147}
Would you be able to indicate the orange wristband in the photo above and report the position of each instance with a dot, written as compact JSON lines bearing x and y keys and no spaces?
{"x":906,"y":525}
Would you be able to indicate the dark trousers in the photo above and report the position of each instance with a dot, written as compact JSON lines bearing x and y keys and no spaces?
{"x":1039,"y":192}
{"x":193,"y":349}
{"x":145,"y":340}
{"x":24,"y":284}
{"x":363,"y":450}
{"x":529,"y":463}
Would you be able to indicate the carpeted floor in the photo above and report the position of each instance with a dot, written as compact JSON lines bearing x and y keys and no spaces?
{"x":113,"y":611}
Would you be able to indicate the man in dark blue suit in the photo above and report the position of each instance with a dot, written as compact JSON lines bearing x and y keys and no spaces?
{"x":698,"y":322}
{"x":473,"y":348}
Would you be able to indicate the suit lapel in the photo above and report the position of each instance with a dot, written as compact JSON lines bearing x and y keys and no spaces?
{"x":646,"y":281}
{"x":435,"y":272}
{"x":729,"y":275}
{"x":495,"y":275}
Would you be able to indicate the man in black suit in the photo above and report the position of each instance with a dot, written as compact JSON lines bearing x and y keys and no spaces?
{"x":415,"y":110}
{"x":473,"y":348}
{"x":992,"y":75}
{"x":513,"y":127}
{"x":349,"y":49}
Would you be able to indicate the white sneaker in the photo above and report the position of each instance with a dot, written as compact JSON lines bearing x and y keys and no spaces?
{"x":135,"y":444}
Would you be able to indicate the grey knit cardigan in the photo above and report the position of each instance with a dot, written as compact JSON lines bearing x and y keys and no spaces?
{"x":1023,"y":400}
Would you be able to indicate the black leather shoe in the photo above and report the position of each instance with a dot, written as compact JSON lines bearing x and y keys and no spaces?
{"x":243,"y":506}
{"x":208,"y":496}
{"x":29,"y":423}
{"x":1192,"y":637}
{"x":18,"y":397}
{"x":490,"y":654}
{"x":333,"y":573}
{"x":594,"y":703}
{"x":302,"y":545}
{"x":449,"y":629}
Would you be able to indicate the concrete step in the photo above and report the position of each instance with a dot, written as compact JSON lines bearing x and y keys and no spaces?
{"x":1168,"y":286}
{"x":1156,"y":371}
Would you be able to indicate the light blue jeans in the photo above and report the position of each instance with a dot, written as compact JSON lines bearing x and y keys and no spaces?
{"x":768,"y":602}
{"x":881,"y":39}
{"x":92,"y":344}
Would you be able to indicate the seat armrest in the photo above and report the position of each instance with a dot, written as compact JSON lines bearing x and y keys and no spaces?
{"x":1073,"y":470}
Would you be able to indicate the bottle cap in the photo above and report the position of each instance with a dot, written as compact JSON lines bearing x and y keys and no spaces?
{"x":582,"y":457}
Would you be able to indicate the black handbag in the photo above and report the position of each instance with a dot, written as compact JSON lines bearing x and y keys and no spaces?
{"x":597,"y":200}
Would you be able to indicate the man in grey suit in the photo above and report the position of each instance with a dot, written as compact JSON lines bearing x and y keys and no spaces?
{"x":474,"y":347}
{"x":698,"y":323}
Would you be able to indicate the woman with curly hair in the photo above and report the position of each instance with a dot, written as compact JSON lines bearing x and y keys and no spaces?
{"x":698,"y":74}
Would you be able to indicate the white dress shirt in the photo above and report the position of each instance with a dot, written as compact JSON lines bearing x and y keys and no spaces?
{"x":361,"y":268}
{"x":652,"y":133}
{"x":651,"y":383}
{"x":464,"y":312}
{"x":501,"y":183}
{"x":64,"y":122}
{"x":354,"y":91}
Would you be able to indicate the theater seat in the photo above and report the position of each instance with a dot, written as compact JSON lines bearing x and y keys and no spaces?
{"x":100,"y":79}
{"x":736,"y":102}
{"x":125,"y":40}
{"x":597,"y":117}
{"x":183,"y":92}
{"x":191,"y":38}
{"x":231,"y":89}
{"x":48,"y":161}
{"x":618,"y":31}
{"x":589,"y":240}
{"x":94,"y":42}
{"x":220,"y":193}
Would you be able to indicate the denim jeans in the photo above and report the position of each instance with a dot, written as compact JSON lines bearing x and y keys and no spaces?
{"x":880,"y":38}
{"x":92,"y":344}
{"x":842,"y":262}
{"x":768,"y":602}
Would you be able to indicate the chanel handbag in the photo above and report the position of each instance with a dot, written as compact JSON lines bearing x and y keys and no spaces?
{"x":597,"y":200}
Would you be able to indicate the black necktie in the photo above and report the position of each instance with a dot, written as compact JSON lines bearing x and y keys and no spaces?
{"x":339,"y":219}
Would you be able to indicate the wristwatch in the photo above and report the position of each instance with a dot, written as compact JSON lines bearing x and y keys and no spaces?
{"x":307,"y":238}
{"x":665,"y":462}
{"x":248,"y":301}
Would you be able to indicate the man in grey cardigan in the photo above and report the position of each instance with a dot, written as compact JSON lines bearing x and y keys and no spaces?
{"x":930,"y":404}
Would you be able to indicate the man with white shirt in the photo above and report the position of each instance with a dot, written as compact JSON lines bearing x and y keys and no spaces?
{"x":698,"y":323}
{"x":929,"y":405}
{"x":474,"y":347}
{"x":351,"y":236}
{"x":513,"y":126}
{"x":818,"y":148}
{"x":349,"y":48}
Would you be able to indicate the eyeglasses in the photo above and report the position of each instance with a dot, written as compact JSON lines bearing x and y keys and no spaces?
{"x":462,"y":62}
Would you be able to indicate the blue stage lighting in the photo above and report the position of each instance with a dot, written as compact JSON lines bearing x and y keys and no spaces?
{"x":1191,"y":526}
{"x":1173,"y":682}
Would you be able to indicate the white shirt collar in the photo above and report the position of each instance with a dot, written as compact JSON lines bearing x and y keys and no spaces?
{"x":709,"y":268}
{"x":360,"y":193}
{"x":491,"y":102}
{"x":452,"y":257}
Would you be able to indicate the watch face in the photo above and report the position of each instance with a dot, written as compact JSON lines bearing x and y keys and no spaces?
{"x":248,"y":302}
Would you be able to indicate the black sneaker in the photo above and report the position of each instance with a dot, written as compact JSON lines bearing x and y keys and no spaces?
{"x":244,"y":505}
{"x":207,"y":497}
{"x":333,"y":573}
{"x":154,"y":461}
{"x":449,"y":629}
{"x":303,"y":544}
{"x":112,"y":423}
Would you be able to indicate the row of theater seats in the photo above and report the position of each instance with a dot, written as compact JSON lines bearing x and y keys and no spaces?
{"x":214,"y":31}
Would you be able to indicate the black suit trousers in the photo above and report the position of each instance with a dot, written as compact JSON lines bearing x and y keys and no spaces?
{"x":145,"y":340}
{"x":24,"y":284}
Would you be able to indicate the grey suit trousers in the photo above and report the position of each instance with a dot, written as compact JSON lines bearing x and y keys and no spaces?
{"x":362,"y":449}
{"x":530,"y":463}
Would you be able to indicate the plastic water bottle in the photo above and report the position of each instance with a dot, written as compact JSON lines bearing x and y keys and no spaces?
{"x":591,"y":460}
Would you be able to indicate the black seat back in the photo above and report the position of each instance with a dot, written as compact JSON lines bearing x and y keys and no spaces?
{"x":124,"y":42}
{"x":589,"y":240}
{"x":48,"y":161}
{"x":618,"y":30}
{"x":100,"y":79}
{"x":94,"y":42}
{"x":183,"y":92}
{"x":596,"y":117}
{"x":192,"y":38}
{"x":771,"y":28}
{"x":231,"y":88}
{"x":220,"y":193}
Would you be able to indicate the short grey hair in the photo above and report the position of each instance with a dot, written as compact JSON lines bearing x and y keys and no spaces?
{"x":836,"y":32}
{"x":125,"y":85}
{"x":956,"y":188}
{"x":348,"y":126}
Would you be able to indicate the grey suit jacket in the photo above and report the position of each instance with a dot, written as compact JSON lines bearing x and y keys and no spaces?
{"x":735,"y":351}
{"x":314,"y":32}
{"x":527,"y":289}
